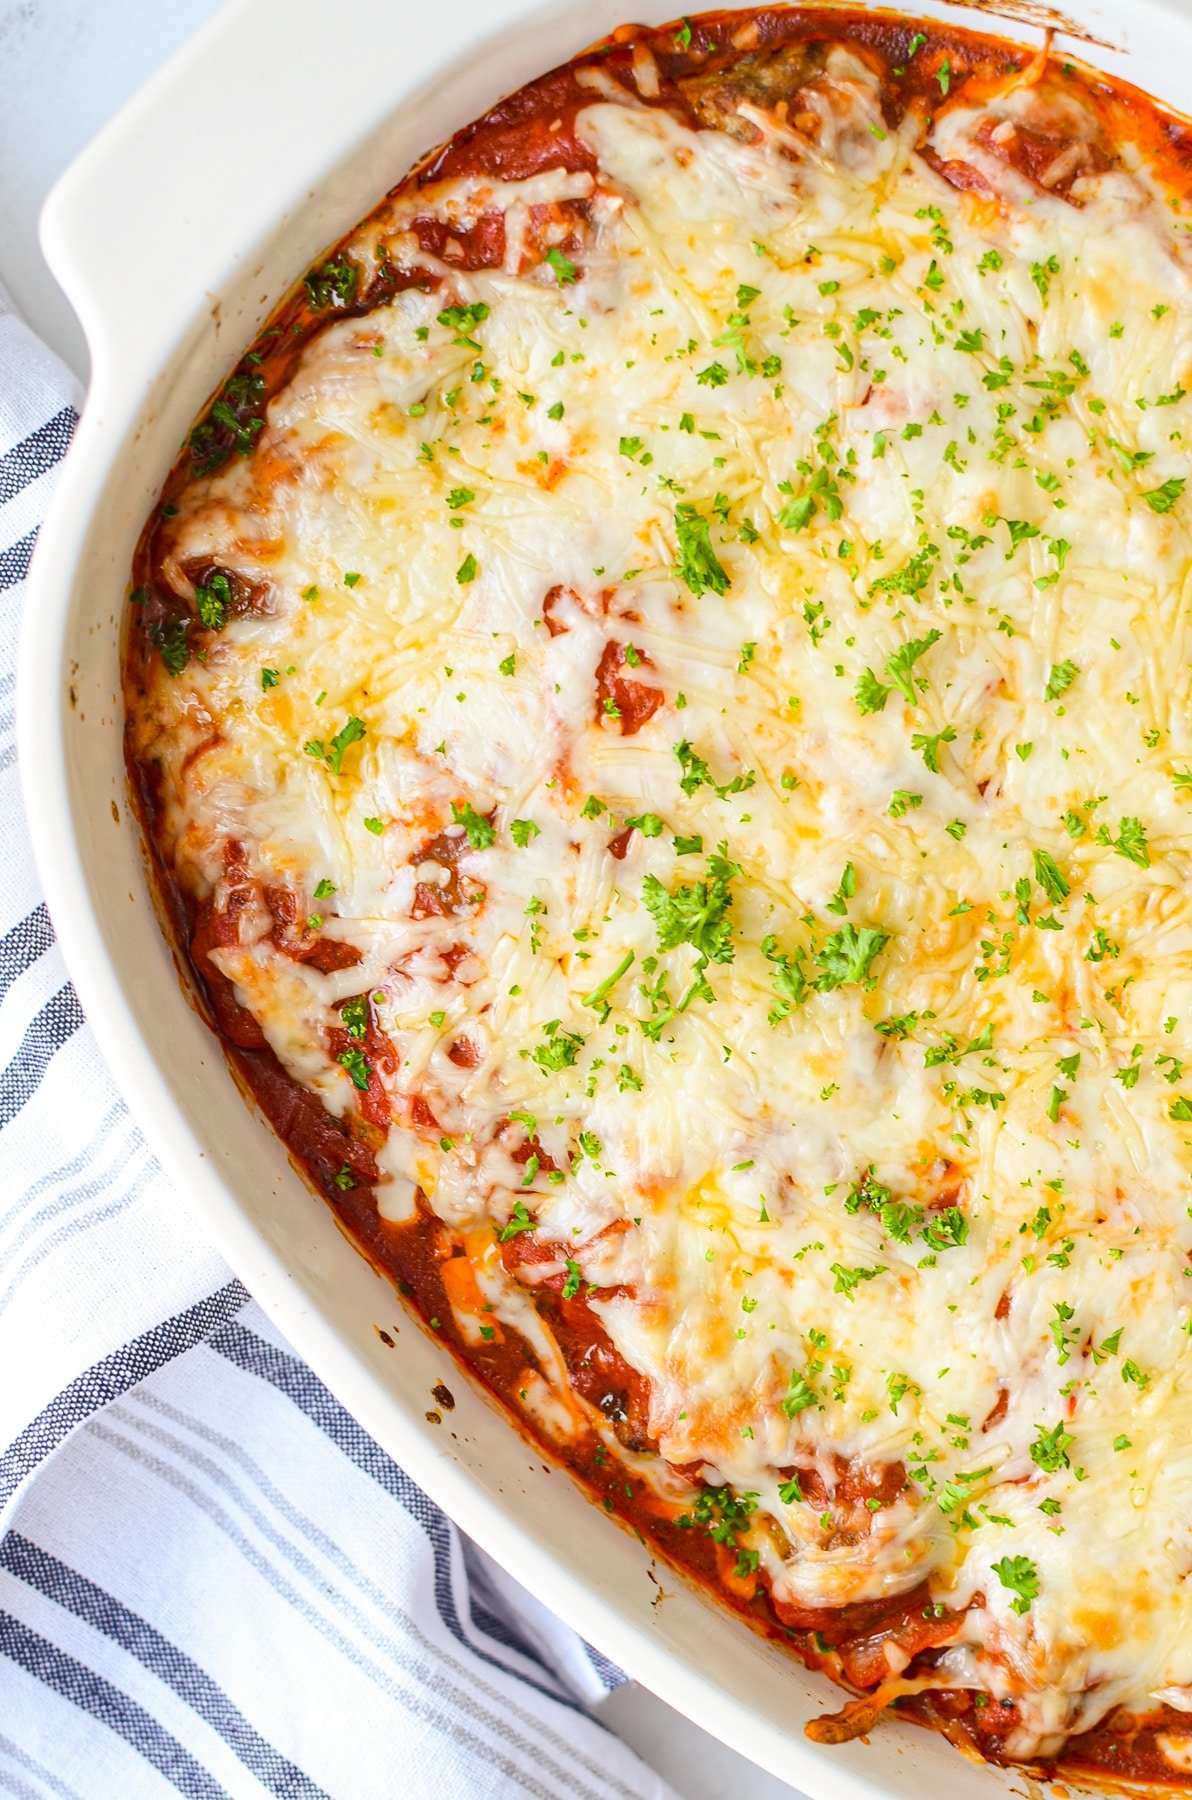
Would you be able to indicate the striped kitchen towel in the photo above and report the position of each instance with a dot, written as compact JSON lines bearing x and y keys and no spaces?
{"x":212,"y":1581}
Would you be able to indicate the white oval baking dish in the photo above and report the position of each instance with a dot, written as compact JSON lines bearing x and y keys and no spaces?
{"x":172,"y":242}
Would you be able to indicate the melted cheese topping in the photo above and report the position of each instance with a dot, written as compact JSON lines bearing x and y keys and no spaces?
{"x":851,"y":1089}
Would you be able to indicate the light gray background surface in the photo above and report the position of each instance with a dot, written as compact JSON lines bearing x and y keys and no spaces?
{"x":66,"y":67}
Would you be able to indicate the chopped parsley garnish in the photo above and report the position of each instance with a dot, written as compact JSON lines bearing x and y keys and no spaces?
{"x":697,"y":915}
{"x":899,"y":665}
{"x":1061,"y":1338}
{"x":847,"y":955}
{"x":598,"y":996}
{"x":900,"y":1219}
{"x":696,"y":774}
{"x":520,"y":1219}
{"x":357,"y":1066}
{"x":1041,"y":273}
{"x":845,"y":892}
{"x":946,"y":1230}
{"x":930,"y":744}
{"x":333,"y":754}
{"x":1130,"y":459}
{"x":722,"y":1513}
{"x":871,"y":694}
{"x":354,"y":1014}
{"x":560,"y":1049}
{"x":213,"y":600}
{"x":848,"y":1279}
{"x":1021,"y":530}
{"x":463,"y":320}
{"x":1050,"y":877}
{"x":897,"y":1388}
{"x":1130,"y":841}
{"x":333,"y":283}
{"x":1063,"y":674}
{"x":170,"y":638}
{"x":1050,"y":1449}
{"x":698,"y":565}
{"x":789,"y":978}
{"x":1019,"y":1574}
{"x":232,"y":423}
{"x":799,"y":1395}
{"x":1162,"y":499}
{"x":480,"y":833}
{"x":562,"y":265}
{"x":821,"y":491}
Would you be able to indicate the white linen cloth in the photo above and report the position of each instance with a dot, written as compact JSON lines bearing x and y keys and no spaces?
{"x":213,"y":1582}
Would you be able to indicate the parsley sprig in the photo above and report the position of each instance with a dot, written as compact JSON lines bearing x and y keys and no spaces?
{"x":332,"y":754}
{"x":1019,"y":1574}
{"x":872,"y":694}
{"x":697,"y":914}
{"x":698,"y":567}
{"x":696,"y":774}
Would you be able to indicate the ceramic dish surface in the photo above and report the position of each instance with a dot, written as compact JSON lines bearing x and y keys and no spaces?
{"x":161,"y":339}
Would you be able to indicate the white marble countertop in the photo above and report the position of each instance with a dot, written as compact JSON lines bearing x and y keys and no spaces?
{"x":66,"y":67}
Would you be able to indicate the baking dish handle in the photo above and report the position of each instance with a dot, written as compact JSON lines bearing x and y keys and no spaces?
{"x":172,"y":187}
{"x":169,"y":191}
{"x":125,"y":227}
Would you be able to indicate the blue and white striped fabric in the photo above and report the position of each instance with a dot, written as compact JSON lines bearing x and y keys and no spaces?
{"x":212,"y":1581}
